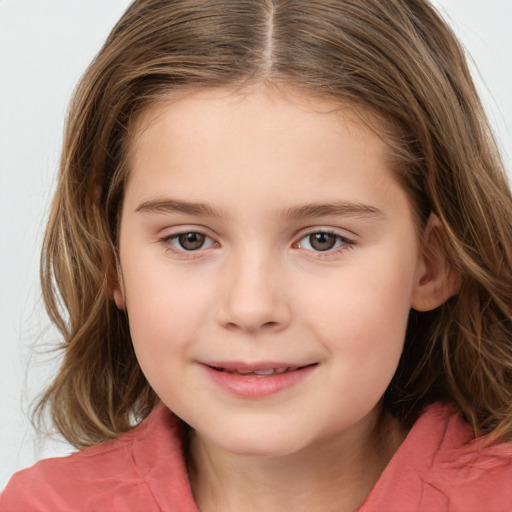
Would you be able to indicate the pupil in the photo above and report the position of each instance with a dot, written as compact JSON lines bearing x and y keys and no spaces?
{"x":322,"y":241}
{"x":191,"y":241}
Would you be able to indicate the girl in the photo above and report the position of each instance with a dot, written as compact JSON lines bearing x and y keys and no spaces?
{"x":280,"y":257}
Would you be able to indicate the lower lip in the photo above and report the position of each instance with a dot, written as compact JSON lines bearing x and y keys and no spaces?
{"x":253,"y":386}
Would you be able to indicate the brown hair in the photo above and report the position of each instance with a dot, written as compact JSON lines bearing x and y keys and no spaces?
{"x":396,"y":59}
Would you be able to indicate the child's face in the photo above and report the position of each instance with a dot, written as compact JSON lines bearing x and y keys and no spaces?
{"x":263,"y":232}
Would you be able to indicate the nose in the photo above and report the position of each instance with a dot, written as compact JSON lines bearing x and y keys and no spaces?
{"x":253,"y":297}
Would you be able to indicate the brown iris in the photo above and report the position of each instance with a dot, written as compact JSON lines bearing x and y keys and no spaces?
{"x":322,"y":241}
{"x":191,"y":241}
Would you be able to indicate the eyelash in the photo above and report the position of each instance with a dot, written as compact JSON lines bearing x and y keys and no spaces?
{"x":167,"y":242}
{"x":342,"y":243}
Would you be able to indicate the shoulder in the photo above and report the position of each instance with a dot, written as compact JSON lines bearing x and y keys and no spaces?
{"x":109,"y":476}
{"x":472,"y":474}
{"x":441,"y":467}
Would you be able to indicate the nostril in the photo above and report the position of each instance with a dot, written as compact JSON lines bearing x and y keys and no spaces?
{"x":265,"y":325}
{"x":253,"y":313}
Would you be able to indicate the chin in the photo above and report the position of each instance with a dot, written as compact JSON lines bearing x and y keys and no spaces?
{"x":260,"y":443}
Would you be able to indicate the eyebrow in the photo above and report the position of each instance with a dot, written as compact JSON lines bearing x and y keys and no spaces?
{"x":336,"y":209}
{"x":177,"y":205}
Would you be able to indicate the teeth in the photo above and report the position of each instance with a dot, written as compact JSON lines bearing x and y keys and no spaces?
{"x":261,"y":373}
{"x":265,"y":372}
{"x":271,"y":371}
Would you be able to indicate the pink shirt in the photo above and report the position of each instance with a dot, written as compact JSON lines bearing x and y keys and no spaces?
{"x":438,"y":468}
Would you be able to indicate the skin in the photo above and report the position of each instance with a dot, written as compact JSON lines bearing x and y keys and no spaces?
{"x":257,"y":290}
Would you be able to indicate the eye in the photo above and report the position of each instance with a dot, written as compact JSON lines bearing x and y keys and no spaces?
{"x":190,"y":241}
{"x":322,"y":241}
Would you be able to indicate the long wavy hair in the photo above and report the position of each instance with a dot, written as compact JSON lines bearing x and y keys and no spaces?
{"x":395,"y":59}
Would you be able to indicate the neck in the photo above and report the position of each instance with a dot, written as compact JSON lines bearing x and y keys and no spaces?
{"x":334,"y":474}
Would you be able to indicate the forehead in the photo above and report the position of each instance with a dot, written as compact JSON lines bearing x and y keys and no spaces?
{"x":248,"y":105}
{"x":265,"y":138}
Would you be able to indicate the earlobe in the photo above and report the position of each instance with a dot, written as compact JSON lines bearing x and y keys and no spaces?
{"x":118,"y":298}
{"x":118,"y":291}
{"x":436,"y":279}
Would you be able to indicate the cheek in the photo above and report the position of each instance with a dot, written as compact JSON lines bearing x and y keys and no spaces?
{"x":362,"y":314}
{"x":371,"y":298}
{"x":166,"y":307}
{"x":161,"y":330}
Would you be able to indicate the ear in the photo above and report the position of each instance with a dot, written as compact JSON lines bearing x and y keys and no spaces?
{"x":436,"y":280}
{"x":118,"y":290}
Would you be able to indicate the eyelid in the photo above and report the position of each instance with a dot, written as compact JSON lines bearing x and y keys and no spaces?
{"x":173,"y":234}
{"x":170,"y":231}
{"x":207,"y":241}
{"x":346,"y":241}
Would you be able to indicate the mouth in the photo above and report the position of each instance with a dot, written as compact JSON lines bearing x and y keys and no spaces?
{"x":257,"y":380}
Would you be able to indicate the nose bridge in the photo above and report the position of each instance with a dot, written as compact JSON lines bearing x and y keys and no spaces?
{"x":253,"y":298}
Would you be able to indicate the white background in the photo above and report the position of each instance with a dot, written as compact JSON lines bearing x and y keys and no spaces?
{"x":45,"y":45}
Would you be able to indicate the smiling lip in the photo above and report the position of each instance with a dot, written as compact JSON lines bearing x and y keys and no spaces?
{"x":257,"y":380}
